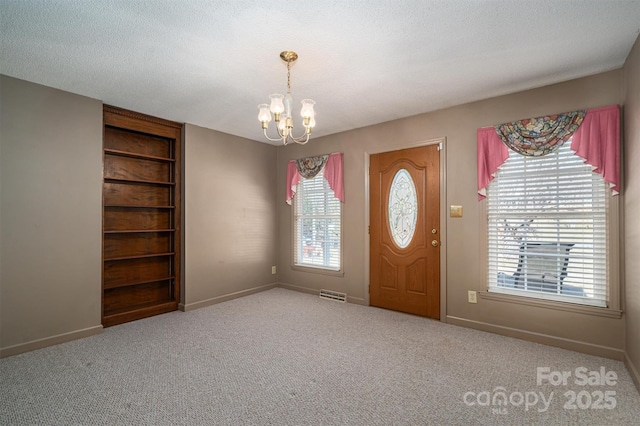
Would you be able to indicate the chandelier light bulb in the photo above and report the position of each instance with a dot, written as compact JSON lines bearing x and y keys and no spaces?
{"x":307,"y":108}
{"x":276,"y":103}
{"x":264,"y":116}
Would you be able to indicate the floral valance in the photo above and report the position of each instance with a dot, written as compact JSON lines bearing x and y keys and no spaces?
{"x":309,"y":167}
{"x":594,"y":134}
{"x":541,"y":135}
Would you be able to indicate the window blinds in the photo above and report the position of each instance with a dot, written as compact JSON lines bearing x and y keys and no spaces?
{"x":317,"y":221}
{"x":547,"y":229}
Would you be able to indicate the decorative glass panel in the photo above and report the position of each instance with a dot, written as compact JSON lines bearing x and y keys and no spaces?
{"x":403,"y":208}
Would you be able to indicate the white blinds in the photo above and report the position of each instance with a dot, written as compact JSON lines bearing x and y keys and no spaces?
{"x":547,"y":229}
{"x":317,"y":223}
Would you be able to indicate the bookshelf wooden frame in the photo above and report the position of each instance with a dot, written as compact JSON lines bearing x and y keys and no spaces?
{"x":141,"y":216}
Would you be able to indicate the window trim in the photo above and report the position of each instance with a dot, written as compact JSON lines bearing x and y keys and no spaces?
{"x":310,"y":268}
{"x":318,"y":269}
{"x":551,"y":304}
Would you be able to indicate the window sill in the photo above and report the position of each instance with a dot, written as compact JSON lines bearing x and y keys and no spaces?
{"x":317,"y":270}
{"x":551,"y":304}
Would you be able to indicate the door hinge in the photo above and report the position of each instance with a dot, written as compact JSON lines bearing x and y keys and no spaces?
{"x":440,"y":146}
{"x":369,"y":229}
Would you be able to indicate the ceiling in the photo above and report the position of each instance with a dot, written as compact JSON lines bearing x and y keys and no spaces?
{"x":210,"y":63}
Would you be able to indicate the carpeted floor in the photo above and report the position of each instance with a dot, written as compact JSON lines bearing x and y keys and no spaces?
{"x":287,"y":358}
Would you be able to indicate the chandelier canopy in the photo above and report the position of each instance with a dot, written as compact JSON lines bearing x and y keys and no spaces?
{"x":281,"y":107}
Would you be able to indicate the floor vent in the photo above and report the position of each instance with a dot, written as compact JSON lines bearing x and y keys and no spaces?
{"x":333,"y":295}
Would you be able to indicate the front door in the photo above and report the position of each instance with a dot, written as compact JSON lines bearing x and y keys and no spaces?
{"x":405,"y":231}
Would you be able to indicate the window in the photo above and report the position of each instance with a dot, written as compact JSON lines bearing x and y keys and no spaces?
{"x":547,"y":229}
{"x":317,"y":225}
{"x":403,"y":208}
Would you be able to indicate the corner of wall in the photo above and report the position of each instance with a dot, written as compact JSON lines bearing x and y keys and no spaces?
{"x":631,"y":232}
{"x":230,"y":220}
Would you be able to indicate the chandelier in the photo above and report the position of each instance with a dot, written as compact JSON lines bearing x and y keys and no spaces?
{"x":281,"y":107}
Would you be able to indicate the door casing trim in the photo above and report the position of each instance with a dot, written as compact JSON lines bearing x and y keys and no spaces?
{"x":443,"y":218}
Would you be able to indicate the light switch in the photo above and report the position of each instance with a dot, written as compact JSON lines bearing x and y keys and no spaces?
{"x":455,"y":211}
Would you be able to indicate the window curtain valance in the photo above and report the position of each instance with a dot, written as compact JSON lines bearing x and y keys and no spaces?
{"x":309,"y":167}
{"x":540,"y":136}
{"x":594,"y":134}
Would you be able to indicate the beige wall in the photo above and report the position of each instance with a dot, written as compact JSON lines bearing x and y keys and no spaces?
{"x":463,"y":246}
{"x":50,"y":215}
{"x":230,"y":216}
{"x":51,"y":219}
{"x":631,"y":150}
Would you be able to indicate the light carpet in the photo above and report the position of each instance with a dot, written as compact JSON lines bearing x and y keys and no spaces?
{"x":285,"y":358}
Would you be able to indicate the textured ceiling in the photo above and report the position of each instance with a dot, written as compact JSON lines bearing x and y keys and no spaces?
{"x":210,"y":63}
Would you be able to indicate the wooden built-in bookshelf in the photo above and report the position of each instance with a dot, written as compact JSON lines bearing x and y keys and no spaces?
{"x":141,"y":216}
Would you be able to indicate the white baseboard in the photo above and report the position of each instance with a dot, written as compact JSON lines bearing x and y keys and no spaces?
{"x":299,"y":289}
{"x":357,"y":301}
{"x":49,"y":341}
{"x":545,"y":339}
{"x":185,"y":307}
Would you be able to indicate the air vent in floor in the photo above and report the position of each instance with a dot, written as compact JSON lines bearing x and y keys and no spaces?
{"x":333,"y":295}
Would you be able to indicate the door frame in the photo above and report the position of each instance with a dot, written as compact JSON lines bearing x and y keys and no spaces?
{"x":442,"y":141}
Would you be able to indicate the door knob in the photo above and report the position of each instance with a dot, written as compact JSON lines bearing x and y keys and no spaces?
{"x":434,"y":243}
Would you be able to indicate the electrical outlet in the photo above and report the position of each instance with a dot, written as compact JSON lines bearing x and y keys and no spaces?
{"x":273,"y":270}
{"x":473,"y":296}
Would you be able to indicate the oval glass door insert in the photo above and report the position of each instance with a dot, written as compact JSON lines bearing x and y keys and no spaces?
{"x":403,"y":208}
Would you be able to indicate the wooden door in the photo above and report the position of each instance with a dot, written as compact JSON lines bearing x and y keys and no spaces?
{"x":405,"y":231}
{"x":141,"y":216}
